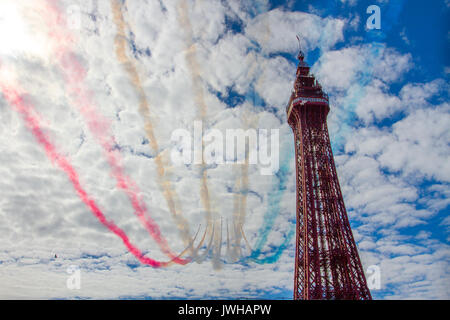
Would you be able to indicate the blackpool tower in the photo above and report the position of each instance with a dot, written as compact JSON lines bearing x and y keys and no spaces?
{"x":327,"y":264}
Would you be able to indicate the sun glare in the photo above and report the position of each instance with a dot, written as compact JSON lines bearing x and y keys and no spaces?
{"x":20,"y":29}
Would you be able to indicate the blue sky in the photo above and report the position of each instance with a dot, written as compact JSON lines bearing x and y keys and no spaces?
{"x":237,"y":60}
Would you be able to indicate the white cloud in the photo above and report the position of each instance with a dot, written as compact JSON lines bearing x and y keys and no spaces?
{"x":275,"y":30}
{"x":341,"y":69}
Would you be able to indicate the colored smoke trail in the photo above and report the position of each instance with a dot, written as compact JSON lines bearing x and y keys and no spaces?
{"x":350,"y":102}
{"x":240,"y":197}
{"x":242,"y":181}
{"x":239,"y":211}
{"x":194,"y":68}
{"x":357,"y":92}
{"x":273,"y":210}
{"x":32,"y":122}
{"x":275,"y":194}
{"x":144,"y":110}
{"x":74,"y":74}
{"x":352,"y":99}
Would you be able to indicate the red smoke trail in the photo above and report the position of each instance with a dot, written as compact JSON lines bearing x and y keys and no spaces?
{"x":32,"y":122}
{"x":74,"y":74}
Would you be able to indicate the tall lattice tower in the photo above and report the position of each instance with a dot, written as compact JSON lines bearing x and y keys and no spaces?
{"x":327,"y":264}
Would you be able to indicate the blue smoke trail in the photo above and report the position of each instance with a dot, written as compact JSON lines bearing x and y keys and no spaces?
{"x":277,"y":191}
{"x":274,"y":199}
{"x":389,"y":16}
{"x":273,"y":210}
{"x":355,"y":95}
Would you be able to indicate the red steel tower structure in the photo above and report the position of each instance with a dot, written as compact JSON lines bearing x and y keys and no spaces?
{"x":327,"y":264}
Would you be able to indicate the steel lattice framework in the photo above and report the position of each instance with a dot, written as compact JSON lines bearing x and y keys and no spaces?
{"x":327,"y":264}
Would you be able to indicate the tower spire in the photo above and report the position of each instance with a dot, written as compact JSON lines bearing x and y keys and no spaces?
{"x":301,"y":55}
